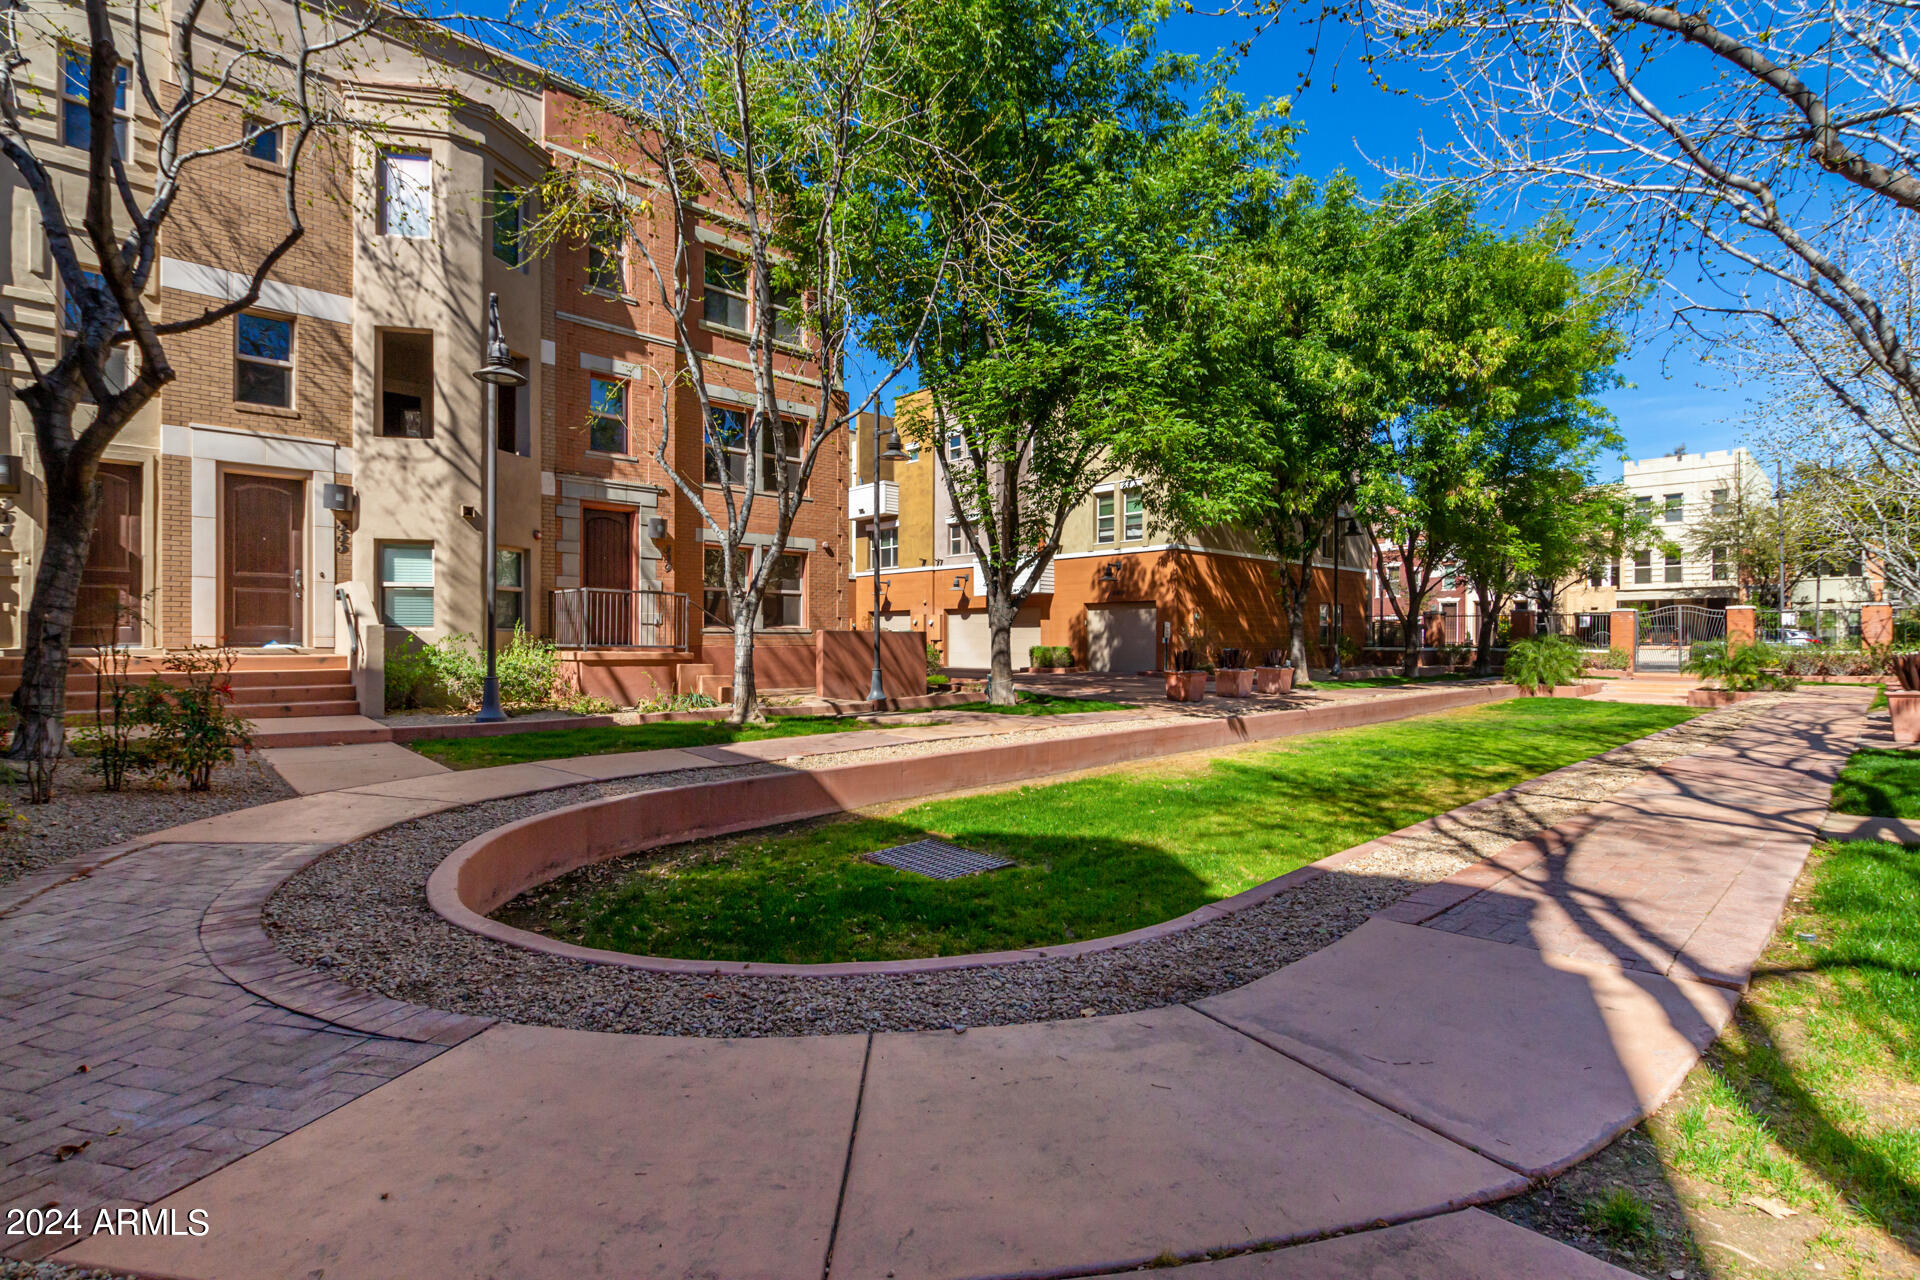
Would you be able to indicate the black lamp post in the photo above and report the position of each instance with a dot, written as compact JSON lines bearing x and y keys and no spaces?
{"x":891,"y":452}
{"x":1340,"y":535}
{"x":497,"y":372}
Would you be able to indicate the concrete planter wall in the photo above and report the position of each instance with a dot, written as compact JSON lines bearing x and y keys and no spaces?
{"x":1905,"y":706}
{"x":1273,"y":679}
{"x":1720,"y":697}
{"x":1235,"y":683}
{"x":1186,"y":686}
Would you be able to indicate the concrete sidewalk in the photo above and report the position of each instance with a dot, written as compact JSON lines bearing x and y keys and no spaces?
{"x":1507,"y":1024}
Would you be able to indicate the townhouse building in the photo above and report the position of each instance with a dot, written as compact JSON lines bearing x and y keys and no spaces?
{"x":315,"y":470}
{"x":1121,"y":592}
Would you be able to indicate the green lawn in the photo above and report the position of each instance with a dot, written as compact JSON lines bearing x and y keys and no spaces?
{"x":1810,"y":1096}
{"x":557,"y":744}
{"x":1096,"y":855}
{"x":1045,"y":704}
{"x":1880,"y":781}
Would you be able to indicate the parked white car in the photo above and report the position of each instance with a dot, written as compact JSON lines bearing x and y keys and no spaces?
{"x":1797,"y":636}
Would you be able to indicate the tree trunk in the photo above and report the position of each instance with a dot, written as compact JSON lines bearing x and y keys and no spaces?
{"x":1483,"y":641}
{"x":1297,"y":634}
{"x":41,"y":700}
{"x":1001,"y":609}
{"x":1411,"y":637}
{"x":746,"y":700}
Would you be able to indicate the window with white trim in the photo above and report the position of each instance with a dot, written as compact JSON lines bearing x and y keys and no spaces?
{"x":260,"y":140}
{"x":406,"y":194}
{"x":509,"y":588}
{"x":1722,"y":571}
{"x":717,"y":605}
{"x":886,"y":542}
{"x":76,"y":121}
{"x":786,"y":316}
{"x":1133,"y":511}
{"x":781,"y":606}
{"x":725,"y":302}
{"x":956,"y":448}
{"x":1642,"y":568}
{"x":606,"y":415}
{"x":263,"y":360}
{"x":607,"y":257}
{"x":406,"y":584}
{"x":957,"y":544}
{"x":115,"y":371}
{"x":1673,"y":568}
{"x":1103,"y":517}
{"x":728,"y":428}
{"x":789,"y":436}
{"x":1674,"y":508}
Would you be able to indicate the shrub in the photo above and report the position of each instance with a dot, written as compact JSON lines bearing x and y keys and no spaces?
{"x":190,"y":727}
{"x":1739,"y":668}
{"x":450,"y":672}
{"x":1544,"y":662}
{"x":1613,"y":660}
{"x":409,"y":672}
{"x":1230,"y":660}
{"x":933,"y":659}
{"x":113,"y":740}
{"x":1050,"y":655}
{"x":529,"y":669}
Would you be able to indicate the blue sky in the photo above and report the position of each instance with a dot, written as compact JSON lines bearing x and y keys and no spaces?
{"x":1349,"y":124}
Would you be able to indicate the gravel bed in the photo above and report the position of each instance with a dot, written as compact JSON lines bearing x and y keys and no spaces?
{"x":360,"y":914}
{"x":55,"y":1271}
{"x":81,"y":817}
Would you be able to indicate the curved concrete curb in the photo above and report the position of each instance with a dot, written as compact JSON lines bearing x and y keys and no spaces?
{"x":492,"y":869}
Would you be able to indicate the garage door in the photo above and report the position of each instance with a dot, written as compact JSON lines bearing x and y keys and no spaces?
{"x":1120,"y":637}
{"x":970,"y":645}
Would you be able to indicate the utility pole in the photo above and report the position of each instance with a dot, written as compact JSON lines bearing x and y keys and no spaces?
{"x":1780,"y":516}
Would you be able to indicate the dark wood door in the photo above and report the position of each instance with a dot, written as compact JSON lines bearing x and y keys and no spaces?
{"x":606,"y":570}
{"x":107,"y":611}
{"x":261,"y":517}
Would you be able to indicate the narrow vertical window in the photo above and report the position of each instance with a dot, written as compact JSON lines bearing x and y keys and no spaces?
{"x":406,"y":384}
{"x":76,"y":124}
{"x":406,"y":194}
{"x":260,"y":140}
{"x":1103,"y":518}
{"x":406,"y":584}
{"x":725,"y":303}
{"x":607,"y":415}
{"x":508,"y":203}
{"x":1135,"y":510}
{"x":263,"y":360}
{"x":509,"y":588}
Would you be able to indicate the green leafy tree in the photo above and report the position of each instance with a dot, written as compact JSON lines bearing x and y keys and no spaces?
{"x":1081,"y":186}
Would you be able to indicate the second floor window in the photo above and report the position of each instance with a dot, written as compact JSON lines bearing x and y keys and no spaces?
{"x":76,"y":124}
{"x":786,"y":317}
{"x":607,"y":415}
{"x":728,"y":429}
{"x":406,"y":384}
{"x":607,"y":259}
{"x":406,"y":194}
{"x":887,"y":546}
{"x":957,"y":540}
{"x":508,"y":203}
{"x":725,"y":303}
{"x":789,"y":438}
{"x":781,"y":605}
{"x":1133,"y":506}
{"x":116,"y":364}
{"x":260,"y":140}
{"x":1672,"y":510}
{"x":956,"y":448}
{"x":1721,"y":570}
{"x":1719,"y":505}
{"x":1642,"y":568}
{"x":1673,"y":569}
{"x":1103,"y":518}
{"x":263,"y":360}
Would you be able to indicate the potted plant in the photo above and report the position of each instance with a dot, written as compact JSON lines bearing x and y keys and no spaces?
{"x":1904,"y":703}
{"x":1184,"y":683}
{"x":1272,"y":675}
{"x":1231,"y":677}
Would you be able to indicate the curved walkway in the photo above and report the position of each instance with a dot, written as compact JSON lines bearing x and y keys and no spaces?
{"x":1490,"y":1029}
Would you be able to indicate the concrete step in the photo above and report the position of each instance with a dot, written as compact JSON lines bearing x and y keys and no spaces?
{"x":80,"y":700}
{"x":299,"y":710}
{"x":319,"y":731}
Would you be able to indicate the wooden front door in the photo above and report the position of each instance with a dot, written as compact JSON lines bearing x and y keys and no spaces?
{"x":107,"y":611}
{"x":261,"y":567}
{"x":606,"y":562}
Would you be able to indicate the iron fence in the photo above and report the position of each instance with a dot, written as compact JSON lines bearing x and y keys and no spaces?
{"x":615,"y":618}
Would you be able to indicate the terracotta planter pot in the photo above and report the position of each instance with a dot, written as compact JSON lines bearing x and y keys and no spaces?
{"x":1186,"y":686}
{"x":1272,"y":679}
{"x":1234,"y":683}
{"x":1905,"y":705}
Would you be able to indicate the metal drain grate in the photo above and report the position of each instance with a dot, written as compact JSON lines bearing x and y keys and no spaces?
{"x":938,"y":860}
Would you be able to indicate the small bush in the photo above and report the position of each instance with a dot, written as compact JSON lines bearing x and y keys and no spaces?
{"x":1050,"y":655}
{"x":933,"y":659}
{"x":1739,"y":668}
{"x":529,"y":670}
{"x":1612,"y":660}
{"x":409,"y":673}
{"x":451,"y":671}
{"x":1544,"y":662}
{"x":190,"y":727}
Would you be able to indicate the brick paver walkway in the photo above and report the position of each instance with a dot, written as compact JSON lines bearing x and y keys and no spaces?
{"x":1435,"y":1067}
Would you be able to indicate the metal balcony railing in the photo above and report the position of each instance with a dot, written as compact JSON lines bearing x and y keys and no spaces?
{"x":614,"y":618}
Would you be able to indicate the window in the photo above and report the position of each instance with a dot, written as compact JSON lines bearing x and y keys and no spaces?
{"x":726,"y":291}
{"x":1672,"y":513}
{"x":607,"y":258}
{"x":406,"y":384}
{"x":76,"y":125}
{"x":508,"y":204}
{"x":1721,"y":572}
{"x":786,"y":316}
{"x":509,"y":588}
{"x":956,"y":448}
{"x":514,"y":424}
{"x":406,"y":194}
{"x":957,"y":539}
{"x":728,"y":428}
{"x":606,"y":415}
{"x":1719,"y":502}
{"x":260,"y":140}
{"x":1673,"y":568}
{"x":1644,"y":504}
{"x":718,"y":607}
{"x":790,"y":437}
{"x":1134,"y":509}
{"x":1596,"y":576}
{"x":1103,"y":517}
{"x":887,"y":543}
{"x":263,"y":360}
{"x":780,"y":607}
{"x":115,"y":371}
{"x":1642,"y":568}
{"x":406,"y":584}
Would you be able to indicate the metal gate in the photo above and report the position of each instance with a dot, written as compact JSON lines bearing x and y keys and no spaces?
{"x":1668,"y":634}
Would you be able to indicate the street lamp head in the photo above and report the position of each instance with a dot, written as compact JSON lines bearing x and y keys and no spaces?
{"x":498,"y":370}
{"x":1353,"y":528}
{"x":890,"y":447}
